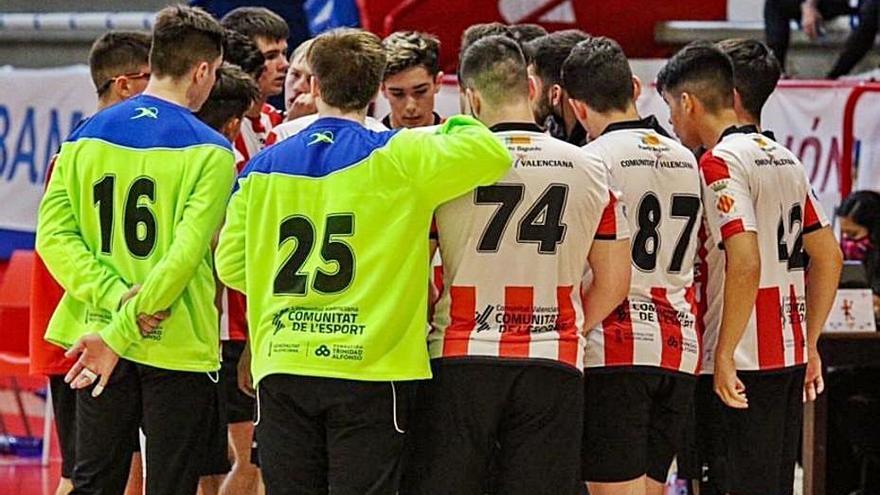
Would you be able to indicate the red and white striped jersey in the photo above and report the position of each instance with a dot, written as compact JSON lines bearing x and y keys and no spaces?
{"x":753,"y":184}
{"x":515,"y":253}
{"x":255,"y":132}
{"x":658,"y":182}
{"x":251,"y":139}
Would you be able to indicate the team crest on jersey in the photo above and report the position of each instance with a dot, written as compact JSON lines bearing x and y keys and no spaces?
{"x":725,"y":203}
{"x":719,"y":185}
{"x":765,"y":145}
{"x":518,"y":140}
{"x":652,"y":142}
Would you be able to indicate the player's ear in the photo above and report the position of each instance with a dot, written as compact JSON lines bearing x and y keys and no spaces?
{"x":688,"y":102}
{"x":556,"y":95}
{"x":473,"y":99}
{"x":637,"y":88}
{"x":201,"y":72}
{"x":121,"y":87}
{"x":581,"y":110}
{"x":738,"y":103}
{"x":232,"y":128}
{"x":314,"y":89}
{"x":438,"y":82}
{"x":533,"y":88}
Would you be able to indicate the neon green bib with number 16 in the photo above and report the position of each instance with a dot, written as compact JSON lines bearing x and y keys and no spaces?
{"x":137,"y":193}
{"x":327,"y":235}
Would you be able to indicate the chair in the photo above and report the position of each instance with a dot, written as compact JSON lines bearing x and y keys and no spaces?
{"x":15,"y":288}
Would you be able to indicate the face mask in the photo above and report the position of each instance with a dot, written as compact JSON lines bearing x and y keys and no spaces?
{"x":855,"y":249}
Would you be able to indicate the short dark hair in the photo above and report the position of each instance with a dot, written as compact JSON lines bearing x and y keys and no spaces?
{"x":863,"y":208}
{"x":353,"y":84}
{"x":755,"y":72}
{"x":233,"y":93}
{"x":496,"y":67}
{"x":702,"y":70}
{"x":116,"y":53}
{"x":184,"y":37}
{"x":477,"y":31}
{"x":408,"y":49}
{"x":598,"y":74}
{"x":242,"y":51}
{"x":523,"y":33}
{"x":256,"y":22}
{"x":548,"y":53}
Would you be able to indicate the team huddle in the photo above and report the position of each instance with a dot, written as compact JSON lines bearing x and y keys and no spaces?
{"x":604,"y":299}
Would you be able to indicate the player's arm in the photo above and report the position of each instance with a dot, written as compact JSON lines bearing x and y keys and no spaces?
{"x":742,"y":276}
{"x":229,"y":257}
{"x":192,"y":235}
{"x":459,"y":156}
{"x":65,"y":253}
{"x":610,"y":264}
{"x":823,"y":276}
{"x":730,"y":213}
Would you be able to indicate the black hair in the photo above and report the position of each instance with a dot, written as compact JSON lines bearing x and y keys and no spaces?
{"x":598,"y":74}
{"x":755,"y":72}
{"x":863,"y":208}
{"x":703,"y":70}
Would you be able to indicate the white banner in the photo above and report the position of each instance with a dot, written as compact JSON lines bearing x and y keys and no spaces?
{"x":38,"y":109}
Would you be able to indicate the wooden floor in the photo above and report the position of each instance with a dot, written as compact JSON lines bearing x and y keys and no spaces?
{"x":29,"y":479}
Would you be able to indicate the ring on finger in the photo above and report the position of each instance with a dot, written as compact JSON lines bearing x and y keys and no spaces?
{"x":89,"y":374}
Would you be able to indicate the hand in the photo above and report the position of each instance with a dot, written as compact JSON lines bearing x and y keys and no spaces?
{"x":149,"y":323}
{"x":245,"y":379}
{"x":146,"y":323}
{"x":728,"y":387}
{"x":811,"y":19}
{"x":304,"y":104}
{"x":813,"y":382}
{"x":96,"y":359}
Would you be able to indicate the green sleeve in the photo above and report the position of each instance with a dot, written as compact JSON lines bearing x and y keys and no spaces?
{"x":201,"y":215}
{"x":229,"y":256}
{"x":461,"y":155}
{"x":67,"y":256}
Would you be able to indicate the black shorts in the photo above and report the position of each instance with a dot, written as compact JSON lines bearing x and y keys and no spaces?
{"x":64,"y":412}
{"x":709,"y":436}
{"x":518,"y":423}
{"x":327,"y":435}
{"x":239,"y":406}
{"x":634,"y":422}
{"x":177,"y":411}
{"x":216,"y":460}
{"x":689,"y":466}
{"x":751,"y":451}
{"x":64,"y":409}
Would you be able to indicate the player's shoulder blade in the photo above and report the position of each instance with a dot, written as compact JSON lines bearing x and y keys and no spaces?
{"x":146,"y":122}
{"x":325,"y":147}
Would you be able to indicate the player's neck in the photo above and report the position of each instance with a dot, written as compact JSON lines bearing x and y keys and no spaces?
{"x":168,"y":89}
{"x":107,"y":101}
{"x":255,"y":109}
{"x":358,"y":116}
{"x":518,"y":111}
{"x":598,"y":122}
{"x":745,"y":119}
{"x":714,"y":125}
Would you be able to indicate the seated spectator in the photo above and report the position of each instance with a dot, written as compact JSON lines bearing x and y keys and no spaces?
{"x":778,"y":15}
{"x":859,"y":216}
